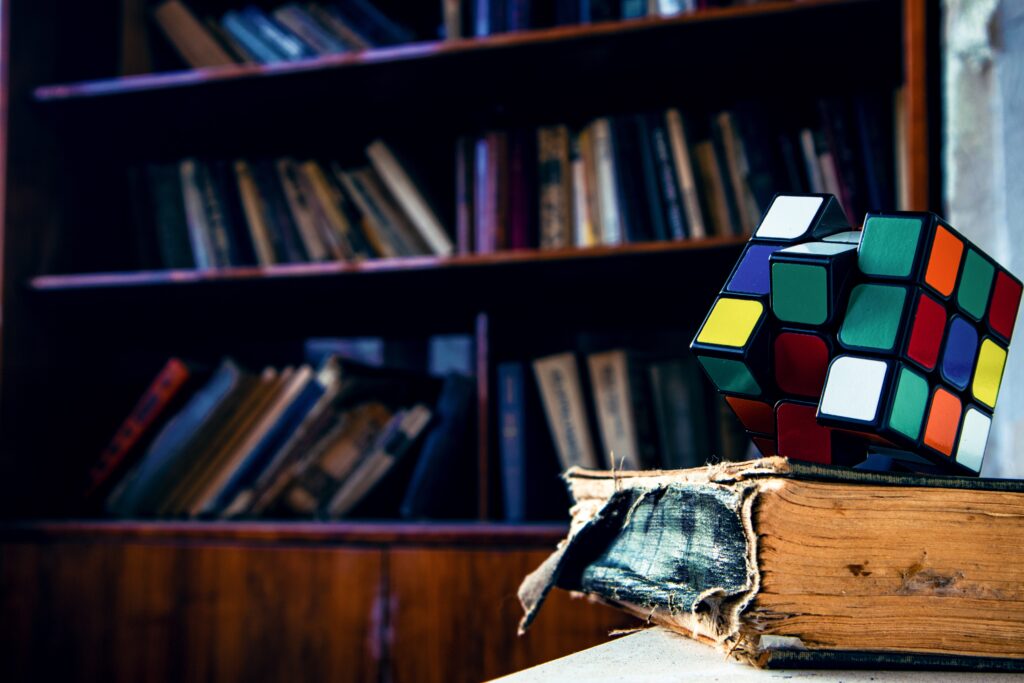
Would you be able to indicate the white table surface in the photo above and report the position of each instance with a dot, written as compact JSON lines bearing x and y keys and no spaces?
{"x":658,"y":655}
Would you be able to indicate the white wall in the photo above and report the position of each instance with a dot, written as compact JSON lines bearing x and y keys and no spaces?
{"x":983,"y":158}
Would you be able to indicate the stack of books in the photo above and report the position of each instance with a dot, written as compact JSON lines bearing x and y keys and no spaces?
{"x":306,"y":441}
{"x":211,"y":214}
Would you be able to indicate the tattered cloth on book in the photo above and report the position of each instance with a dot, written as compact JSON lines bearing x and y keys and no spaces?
{"x":862,"y":569}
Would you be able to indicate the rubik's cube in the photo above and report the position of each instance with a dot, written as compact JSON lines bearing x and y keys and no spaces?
{"x":831,"y":344}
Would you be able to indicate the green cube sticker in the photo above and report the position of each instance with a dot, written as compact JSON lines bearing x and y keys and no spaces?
{"x":889,"y":245}
{"x":873,"y":317}
{"x":909,"y":404}
{"x":800,"y":293}
{"x":730,"y":376}
{"x":975,"y":284}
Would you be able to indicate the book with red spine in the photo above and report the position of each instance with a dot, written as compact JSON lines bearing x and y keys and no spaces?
{"x":156,"y":404}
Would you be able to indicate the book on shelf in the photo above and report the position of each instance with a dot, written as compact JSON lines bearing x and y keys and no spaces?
{"x":786,"y":564}
{"x":295,"y":441}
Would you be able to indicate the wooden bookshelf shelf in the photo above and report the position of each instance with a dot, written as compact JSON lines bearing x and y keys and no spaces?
{"x":531,"y":74}
{"x":424,"y":267}
{"x":413,"y":293}
{"x":446,"y":534}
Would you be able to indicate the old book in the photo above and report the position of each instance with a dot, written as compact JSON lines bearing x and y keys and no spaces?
{"x":255,"y":214}
{"x":318,"y":478}
{"x":281,"y":228}
{"x":407,"y":194}
{"x":747,"y":211}
{"x":188,"y":35}
{"x":303,"y":209}
{"x":199,"y":233}
{"x":687,"y":177}
{"x":622,"y":406}
{"x":609,"y":211}
{"x":389,"y":449}
{"x":713,"y":182}
{"x":786,"y":564}
{"x":555,"y":177}
{"x":383,"y":241}
{"x":564,"y":403}
{"x":297,"y":20}
{"x":343,"y":236}
{"x":588,"y":217}
{"x":337,"y":25}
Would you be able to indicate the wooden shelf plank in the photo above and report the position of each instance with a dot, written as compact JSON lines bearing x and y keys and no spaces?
{"x":468,"y":47}
{"x":424,"y":265}
{"x":475,"y":534}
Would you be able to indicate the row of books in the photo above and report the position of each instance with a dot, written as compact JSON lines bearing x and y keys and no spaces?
{"x":299,"y":30}
{"x":618,"y":409}
{"x":667,"y":175}
{"x":290,"y":32}
{"x":209,"y":214}
{"x":488,"y":17}
{"x":335,"y":440}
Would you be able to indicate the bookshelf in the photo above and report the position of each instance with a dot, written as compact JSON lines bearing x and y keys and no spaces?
{"x":76,"y":310}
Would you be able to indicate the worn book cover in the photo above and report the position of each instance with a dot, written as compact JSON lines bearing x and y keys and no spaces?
{"x":787,"y":564}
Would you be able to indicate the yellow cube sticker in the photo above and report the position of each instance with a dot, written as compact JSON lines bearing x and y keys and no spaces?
{"x":731,"y":322}
{"x":989,"y":372}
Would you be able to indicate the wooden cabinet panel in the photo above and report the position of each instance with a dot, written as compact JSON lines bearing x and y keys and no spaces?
{"x":136,"y":612}
{"x":454,"y":614}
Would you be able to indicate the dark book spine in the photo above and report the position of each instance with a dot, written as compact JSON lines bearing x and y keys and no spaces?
{"x":464,"y":167}
{"x":224,"y":251}
{"x":656,"y":211}
{"x":239,"y":27}
{"x":481,"y":18}
{"x":668,"y":179}
{"x":764,"y":165}
{"x":283,"y":233}
{"x":629,"y":174}
{"x":172,"y":231}
{"x":283,"y":41}
{"x":568,"y":12}
{"x":518,"y":15}
{"x":731,"y":200}
{"x":641,"y":401}
{"x":518,"y":206}
{"x":225,"y":188}
{"x":839,"y":135}
{"x":634,"y":9}
{"x":366,"y":18}
{"x":512,"y":450}
{"x":142,"y":215}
